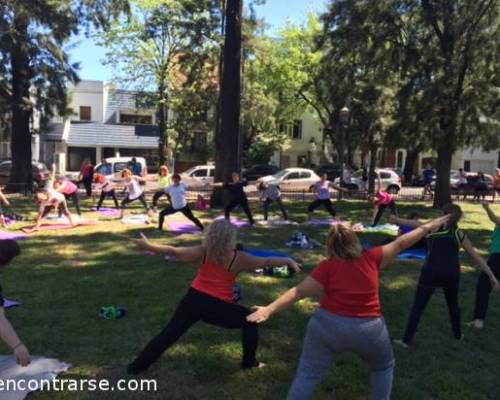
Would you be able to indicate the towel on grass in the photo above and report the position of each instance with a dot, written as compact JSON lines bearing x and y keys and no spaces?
{"x":137,"y":219}
{"x":40,"y":370}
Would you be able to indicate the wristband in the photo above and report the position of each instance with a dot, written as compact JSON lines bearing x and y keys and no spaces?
{"x":17,"y":345}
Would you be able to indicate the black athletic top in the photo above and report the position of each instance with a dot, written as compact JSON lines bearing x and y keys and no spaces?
{"x":1,"y":297}
{"x":236,"y":189}
{"x":442,"y":260}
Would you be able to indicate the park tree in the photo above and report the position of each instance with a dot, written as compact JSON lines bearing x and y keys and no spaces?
{"x":36,"y":67}
{"x":156,"y":44}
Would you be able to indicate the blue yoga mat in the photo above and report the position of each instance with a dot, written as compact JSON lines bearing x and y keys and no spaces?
{"x":265,"y":253}
{"x":413,"y":254}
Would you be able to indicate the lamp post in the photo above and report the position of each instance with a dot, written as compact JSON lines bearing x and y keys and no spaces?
{"x":344,"y":118}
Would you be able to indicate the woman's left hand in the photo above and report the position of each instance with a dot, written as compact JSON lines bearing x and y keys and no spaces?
{"x":260,"y":314}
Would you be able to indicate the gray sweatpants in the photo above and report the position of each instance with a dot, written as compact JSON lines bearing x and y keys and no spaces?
{"x":329,"y":335}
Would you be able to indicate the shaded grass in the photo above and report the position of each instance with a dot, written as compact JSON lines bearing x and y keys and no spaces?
{"x":64,"y":277}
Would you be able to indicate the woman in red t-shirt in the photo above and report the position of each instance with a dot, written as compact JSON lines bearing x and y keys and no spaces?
{"x":210,"y":297}
{"x":349,"y":318}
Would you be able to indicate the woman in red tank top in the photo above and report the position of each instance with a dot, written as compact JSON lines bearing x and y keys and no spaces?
{"x":210,"y":297}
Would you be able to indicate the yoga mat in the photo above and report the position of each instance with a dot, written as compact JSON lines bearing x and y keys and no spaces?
{"x":180,"y":228}
{"x":107,"y":212}
{"x":265,"y":253}
{"x":277,"y":222}
{"x":138,"y":219}
{"x":327,"y":222}
{"x":55,"y":227}
{"x":379,"y":228}
{"x":236,"y":222}
{"x":40,"y":369}
{"x":12,"y":236}
{"x":413,"y":254}
{"x":10,"y":303}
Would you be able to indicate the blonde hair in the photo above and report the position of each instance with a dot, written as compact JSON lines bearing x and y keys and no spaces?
{"x":219,"y":238}
{"x":343,"y":243}
{"x":126,"y":172}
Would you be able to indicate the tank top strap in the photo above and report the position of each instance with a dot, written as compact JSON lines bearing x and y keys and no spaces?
{"x":232,"y":261}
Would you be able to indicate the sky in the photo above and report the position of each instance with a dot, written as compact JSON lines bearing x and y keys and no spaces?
{"x":275,"y":12}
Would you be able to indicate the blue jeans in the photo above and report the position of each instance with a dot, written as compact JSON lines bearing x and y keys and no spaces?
{"x":329,"y":335}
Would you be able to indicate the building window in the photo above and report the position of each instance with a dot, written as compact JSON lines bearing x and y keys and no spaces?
{"x":294,"y":130}
{"x":133,"y":119}
{"x":85,"y":113}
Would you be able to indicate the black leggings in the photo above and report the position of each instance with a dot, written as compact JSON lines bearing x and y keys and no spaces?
{"x":381,"y":208}
{"x":187,"y":213}
{"x":103,"y":196}
{"x":87,"y":183}
{"x":327,"y":203}
{"x":243,"y":203}
{"x":268,"y":202}
{"x":74,"y":198}
{"x":158,"y":195}
{"x":194,"y":307}
{"x":422,"y":297}
{"x":483,"y":288}
{"x":141,"y":198}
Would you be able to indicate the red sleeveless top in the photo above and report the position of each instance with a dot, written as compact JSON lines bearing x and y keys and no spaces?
{"x":215,"y":280}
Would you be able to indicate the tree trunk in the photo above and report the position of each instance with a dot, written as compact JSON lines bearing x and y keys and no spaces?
{"x":411,"y":159}
{"x":443,"y":193}
{"x":372,"y":167}
{"x":162,"y":121}
{"x":227,"y":154}
{"x":21,"y":178}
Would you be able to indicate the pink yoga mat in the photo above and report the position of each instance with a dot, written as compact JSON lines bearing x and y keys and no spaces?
{"x":55,"y":227}
{"x":12,"y":236}
{"x":180,"y":228}
{"x":236,"y":222}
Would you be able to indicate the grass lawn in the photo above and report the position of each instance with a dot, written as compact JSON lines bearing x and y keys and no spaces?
{"x":64,"y":277}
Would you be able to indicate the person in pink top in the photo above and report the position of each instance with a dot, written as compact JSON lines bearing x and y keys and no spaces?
{"x":382,"y":200}
{"x":69,"y":190}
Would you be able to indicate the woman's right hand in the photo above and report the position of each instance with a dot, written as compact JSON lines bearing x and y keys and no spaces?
{"x":22,"y":355}
{"x":143,"y":243}
{"x":260,"y":314}
{"x":437,"y":223}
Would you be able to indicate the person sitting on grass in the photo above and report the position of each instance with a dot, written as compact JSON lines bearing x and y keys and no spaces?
{"x":210,"y":297}
{"x":441,"y":269}
{"x":237,"y":196}
{"x":9,"y":249}
{"x":3,"y":202}
{"x":270,"y":192}
{"x":349,"y":319}
{"x":322,"y":191}
{"x":164,"y":181}
{"x":134,"y":191}
{"x":177,"y":194}
{"x":484,"y":287}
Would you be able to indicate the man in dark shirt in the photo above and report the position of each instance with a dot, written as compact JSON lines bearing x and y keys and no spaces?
{"x":8,"y":250}
{"x":235,"y":188}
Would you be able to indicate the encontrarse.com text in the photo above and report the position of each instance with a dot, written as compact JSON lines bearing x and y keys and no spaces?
{"x":78,"y":385}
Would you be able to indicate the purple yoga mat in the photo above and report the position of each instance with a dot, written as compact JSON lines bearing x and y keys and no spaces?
{"x":180,"y":228}
{"x":12,"y":236}
{"x":327,"y":222}
{"x":108,"y":212}
{"x":236,"y":222}
{"x":10,"y":303}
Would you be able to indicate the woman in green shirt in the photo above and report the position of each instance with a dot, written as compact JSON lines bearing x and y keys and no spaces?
{"x":483,"y":288}
{"x":164,"y":181}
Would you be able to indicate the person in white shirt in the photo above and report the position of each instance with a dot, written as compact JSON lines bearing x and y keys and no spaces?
{"x":322,"y":191}
{"x":270,"y":192}
{"x":134,"y":191}
{"x":177,"y":193}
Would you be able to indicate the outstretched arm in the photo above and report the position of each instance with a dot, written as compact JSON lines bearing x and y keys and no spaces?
{"x":309,"y":287}
{"x":183,"y":254}
{"x":4,"y":199}
{"x":491,"y":215}
{"x":10,"y":338}
{"x":403,"y":242}
{"x":338,"y":188}
{"x":414,"y":223}
{"x":479,"y":261}
{"x":247,"y":262}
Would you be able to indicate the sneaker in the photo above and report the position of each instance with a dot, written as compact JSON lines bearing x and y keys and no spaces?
{"x":477,"y":324}
{"x":400,"y":343}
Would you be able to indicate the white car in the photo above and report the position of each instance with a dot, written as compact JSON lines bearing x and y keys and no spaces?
{"x":291,"y":179}
{"x":201,"y":175}
{"x":117,"y":164}
{"x":390,"y":180}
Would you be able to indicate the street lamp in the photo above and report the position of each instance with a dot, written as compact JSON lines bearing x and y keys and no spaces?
{"x":344,"y":119}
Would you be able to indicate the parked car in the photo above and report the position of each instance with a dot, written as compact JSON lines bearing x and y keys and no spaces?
{"x":400,"y":173}
{"x":200,"y":175}
{"x":39,"y":170}
{"x":331,"y":170}
{"x":258,"y":171}
{"x":118,"y":164}
{"x":390,"y":180}
{"x":291,"y":179}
